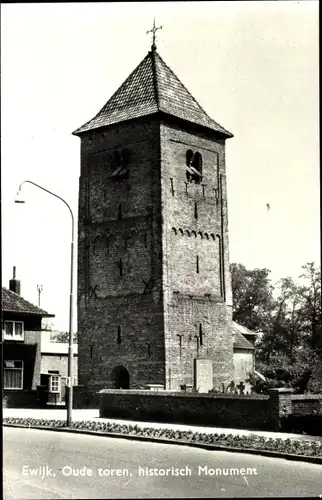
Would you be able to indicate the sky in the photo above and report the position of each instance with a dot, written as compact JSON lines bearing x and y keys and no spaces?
{"x":253,"y":67}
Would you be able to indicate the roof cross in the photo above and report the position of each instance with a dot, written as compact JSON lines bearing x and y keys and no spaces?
{"x":153,"y":31}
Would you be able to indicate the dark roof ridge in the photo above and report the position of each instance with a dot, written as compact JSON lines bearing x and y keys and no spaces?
{"x":153,"y":53}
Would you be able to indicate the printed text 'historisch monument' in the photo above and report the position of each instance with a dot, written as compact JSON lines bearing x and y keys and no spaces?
{"x":154,"y":290}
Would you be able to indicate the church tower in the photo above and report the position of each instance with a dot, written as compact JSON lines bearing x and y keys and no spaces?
{"x":154,"y":291}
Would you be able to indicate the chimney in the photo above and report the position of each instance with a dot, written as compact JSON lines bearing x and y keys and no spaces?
{"x":14,"y":285}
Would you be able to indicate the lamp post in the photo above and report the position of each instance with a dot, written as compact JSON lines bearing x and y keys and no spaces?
{"x":70,"y":346}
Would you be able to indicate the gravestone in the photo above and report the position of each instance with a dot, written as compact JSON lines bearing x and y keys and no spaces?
{"x":203,"y":375}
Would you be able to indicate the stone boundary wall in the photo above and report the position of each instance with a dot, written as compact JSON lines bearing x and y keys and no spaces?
{"x":85,"y":398}
{"x":23,"y":399}
{"x":221,"y":410}
{"x":253,"y":412}
{"x":303,"y":404}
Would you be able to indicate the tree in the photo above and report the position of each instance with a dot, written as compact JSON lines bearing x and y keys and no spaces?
{"x":252,"y":297}
{"x":310,"y":291}
{"x":289,"y":353}
{"x":282,"y":334}
{"x":60,"y":336}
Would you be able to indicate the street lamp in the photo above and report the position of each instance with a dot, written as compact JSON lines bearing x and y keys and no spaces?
{"x":70,"y":346}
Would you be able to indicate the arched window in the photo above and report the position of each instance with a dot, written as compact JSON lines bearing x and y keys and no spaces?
{"x":189,"y":156}
{"x":120,"y":165}
{"x":197,"y":162}
{"x":125,"y":157}
{"x":193,"y":166}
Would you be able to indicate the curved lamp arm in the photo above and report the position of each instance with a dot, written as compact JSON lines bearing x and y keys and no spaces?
{"x":53,"y":194}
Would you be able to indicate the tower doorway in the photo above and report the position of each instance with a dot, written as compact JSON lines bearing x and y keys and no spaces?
{"x":121,"y":378}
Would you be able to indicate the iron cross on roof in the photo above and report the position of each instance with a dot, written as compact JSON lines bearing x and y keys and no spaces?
{"x":153,"y":31}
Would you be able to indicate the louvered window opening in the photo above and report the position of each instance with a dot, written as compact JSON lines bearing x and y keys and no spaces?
{"x":193,"y":166}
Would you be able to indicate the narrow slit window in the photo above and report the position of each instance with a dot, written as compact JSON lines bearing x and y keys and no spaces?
{"x":220,"y":267}
{"x":180,"y":345}
{"x":119,"y":335}
{"x":148,"y":349}
{"x":197,"y":264}
{"x":172,"y":187}
{"x":200,"y":334}
{"x":196,"y":211}
{"x":119,"y":212}
{"x":121,"y":267}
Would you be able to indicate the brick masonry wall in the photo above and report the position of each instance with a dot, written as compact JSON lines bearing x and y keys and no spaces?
{"x":135,"y":320}
{"x":195,"y":224}
{"x":304,"y":404}
{"x":85,"y":398}
{"x":120,"y":320}
{"x":250,"y":412}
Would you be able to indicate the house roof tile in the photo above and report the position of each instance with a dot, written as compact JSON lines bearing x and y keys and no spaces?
{"x":151,"y":88}
{"x":12,"y":302}
{"x":240,"y":342}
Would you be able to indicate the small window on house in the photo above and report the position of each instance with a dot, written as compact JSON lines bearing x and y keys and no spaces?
{"x":13,"y":330}
{"x":13,"y":374}
{"x":119,"y":335}
{"x":193,"y":166}
{"x":54,"y":383}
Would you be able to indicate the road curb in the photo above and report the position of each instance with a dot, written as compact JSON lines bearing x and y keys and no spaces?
{"x":205,"y":446}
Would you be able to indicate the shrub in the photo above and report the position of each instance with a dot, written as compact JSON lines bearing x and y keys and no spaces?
{"x":251,"y":441}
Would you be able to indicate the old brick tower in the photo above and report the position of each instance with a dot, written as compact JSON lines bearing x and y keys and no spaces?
{"x":154,"y":291}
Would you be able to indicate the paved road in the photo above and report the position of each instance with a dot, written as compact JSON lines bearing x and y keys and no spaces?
{"x":26,"y":450}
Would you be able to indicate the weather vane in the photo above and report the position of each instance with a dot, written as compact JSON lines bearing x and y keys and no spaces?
{"x":153,"y":31}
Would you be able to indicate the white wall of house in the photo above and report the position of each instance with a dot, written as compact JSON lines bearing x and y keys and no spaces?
{"x":244,"y":364}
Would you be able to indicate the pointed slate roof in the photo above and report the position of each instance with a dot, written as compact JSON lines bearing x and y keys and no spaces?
{"x":152,"y":87}
{"x":14,"y":303}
